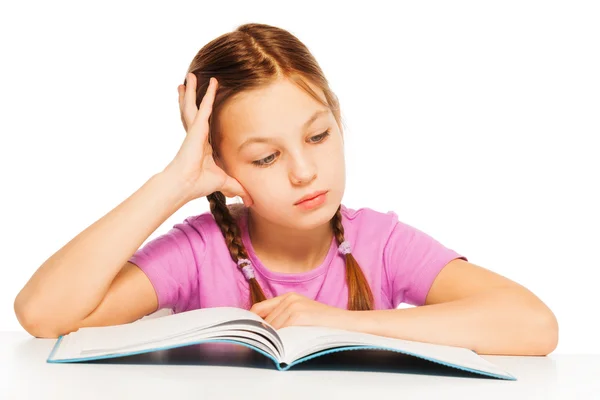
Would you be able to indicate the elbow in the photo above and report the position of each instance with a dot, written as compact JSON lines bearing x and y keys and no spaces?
{"x":545,"y":339}
{"x":539,"y":333}
{"x":30,"y":325}
{"x":35,"y":326}
{"x":550,"y":334}
{"x":37,"y":329}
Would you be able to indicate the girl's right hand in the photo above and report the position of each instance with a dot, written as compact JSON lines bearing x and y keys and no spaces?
{"x":194,"y":162}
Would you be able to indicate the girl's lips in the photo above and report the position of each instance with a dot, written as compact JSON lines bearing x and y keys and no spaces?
{"x":311,"y":196}
{"x":314,"y":202}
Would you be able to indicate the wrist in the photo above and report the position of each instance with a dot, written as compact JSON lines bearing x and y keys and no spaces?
{"x":361,"y":321}
{"x":178,"y":189}
{"x":349,"y":320}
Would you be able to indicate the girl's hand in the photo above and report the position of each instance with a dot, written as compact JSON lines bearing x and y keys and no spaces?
{"x":293,"y":309}
{"x":194,"y":162}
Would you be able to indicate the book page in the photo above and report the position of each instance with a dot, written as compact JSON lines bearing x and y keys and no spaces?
{"x":238,"y":335}
{"x":249,"y":329}
{"x":149,"y":331}
{"x":300,"y":341}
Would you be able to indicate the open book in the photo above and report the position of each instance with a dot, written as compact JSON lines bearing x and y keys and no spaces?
{"x":286,"y":347}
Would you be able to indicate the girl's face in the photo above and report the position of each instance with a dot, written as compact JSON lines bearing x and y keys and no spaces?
{"x":300,"y":151}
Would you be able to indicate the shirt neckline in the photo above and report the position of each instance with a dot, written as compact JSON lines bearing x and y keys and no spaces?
{"x":282,"y":276}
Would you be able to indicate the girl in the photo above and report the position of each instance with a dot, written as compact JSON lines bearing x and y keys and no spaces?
{"x":268,"y":129}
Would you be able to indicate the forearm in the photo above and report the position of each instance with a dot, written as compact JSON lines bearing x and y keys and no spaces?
{"x":505,"y":321}
{"x":72,"y":282}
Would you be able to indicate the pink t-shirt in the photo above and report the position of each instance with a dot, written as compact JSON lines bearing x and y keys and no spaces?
{"x":190,"y":266}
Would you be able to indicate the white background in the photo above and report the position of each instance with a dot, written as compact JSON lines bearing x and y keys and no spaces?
{"x":477,"y":122}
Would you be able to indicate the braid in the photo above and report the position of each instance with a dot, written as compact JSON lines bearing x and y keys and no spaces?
{"x":359,"y":292}
{"x":233,"y":239}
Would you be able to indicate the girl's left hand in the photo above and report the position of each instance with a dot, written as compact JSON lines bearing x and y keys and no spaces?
{"x":293,"y":309}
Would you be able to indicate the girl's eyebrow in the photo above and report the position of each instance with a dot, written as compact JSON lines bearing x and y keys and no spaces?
{"x":257,"y":139}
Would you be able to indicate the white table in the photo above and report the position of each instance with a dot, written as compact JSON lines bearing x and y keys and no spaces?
{"x":180,"y":374}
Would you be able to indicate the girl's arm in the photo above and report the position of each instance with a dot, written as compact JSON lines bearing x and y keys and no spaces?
{"x":74,"y":281}
{"x":470,"y":306}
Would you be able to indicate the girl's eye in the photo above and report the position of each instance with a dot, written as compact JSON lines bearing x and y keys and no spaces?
{"x":322,"y":136}
{"x":265,"y":162}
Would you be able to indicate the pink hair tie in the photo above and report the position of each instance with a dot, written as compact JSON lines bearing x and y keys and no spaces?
{"x":344,"y":248}
{"x":247,"y":269}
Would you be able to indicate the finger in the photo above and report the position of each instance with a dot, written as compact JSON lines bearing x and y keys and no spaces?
{"x":181,"y":91}
{"x":281,"y":313}
{"x":264,"y":307}
{"x":205,"y":108}
{"x":280,"y":319}
{"x":232,"y":188}
{"x":274,"y":313}
{"x":181,"y":94}
{"x":189,"y":100}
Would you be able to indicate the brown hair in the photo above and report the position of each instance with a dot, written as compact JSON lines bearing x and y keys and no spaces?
{"x":251,"y":57}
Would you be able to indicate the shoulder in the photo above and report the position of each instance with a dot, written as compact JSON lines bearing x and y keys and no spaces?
{"x":205,"y":222}
{"x":368,"y":229}
{"x":368,"y":219}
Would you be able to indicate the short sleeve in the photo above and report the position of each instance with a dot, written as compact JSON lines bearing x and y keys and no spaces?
{"x":171,"y":262}
{"x":413,"y":259}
